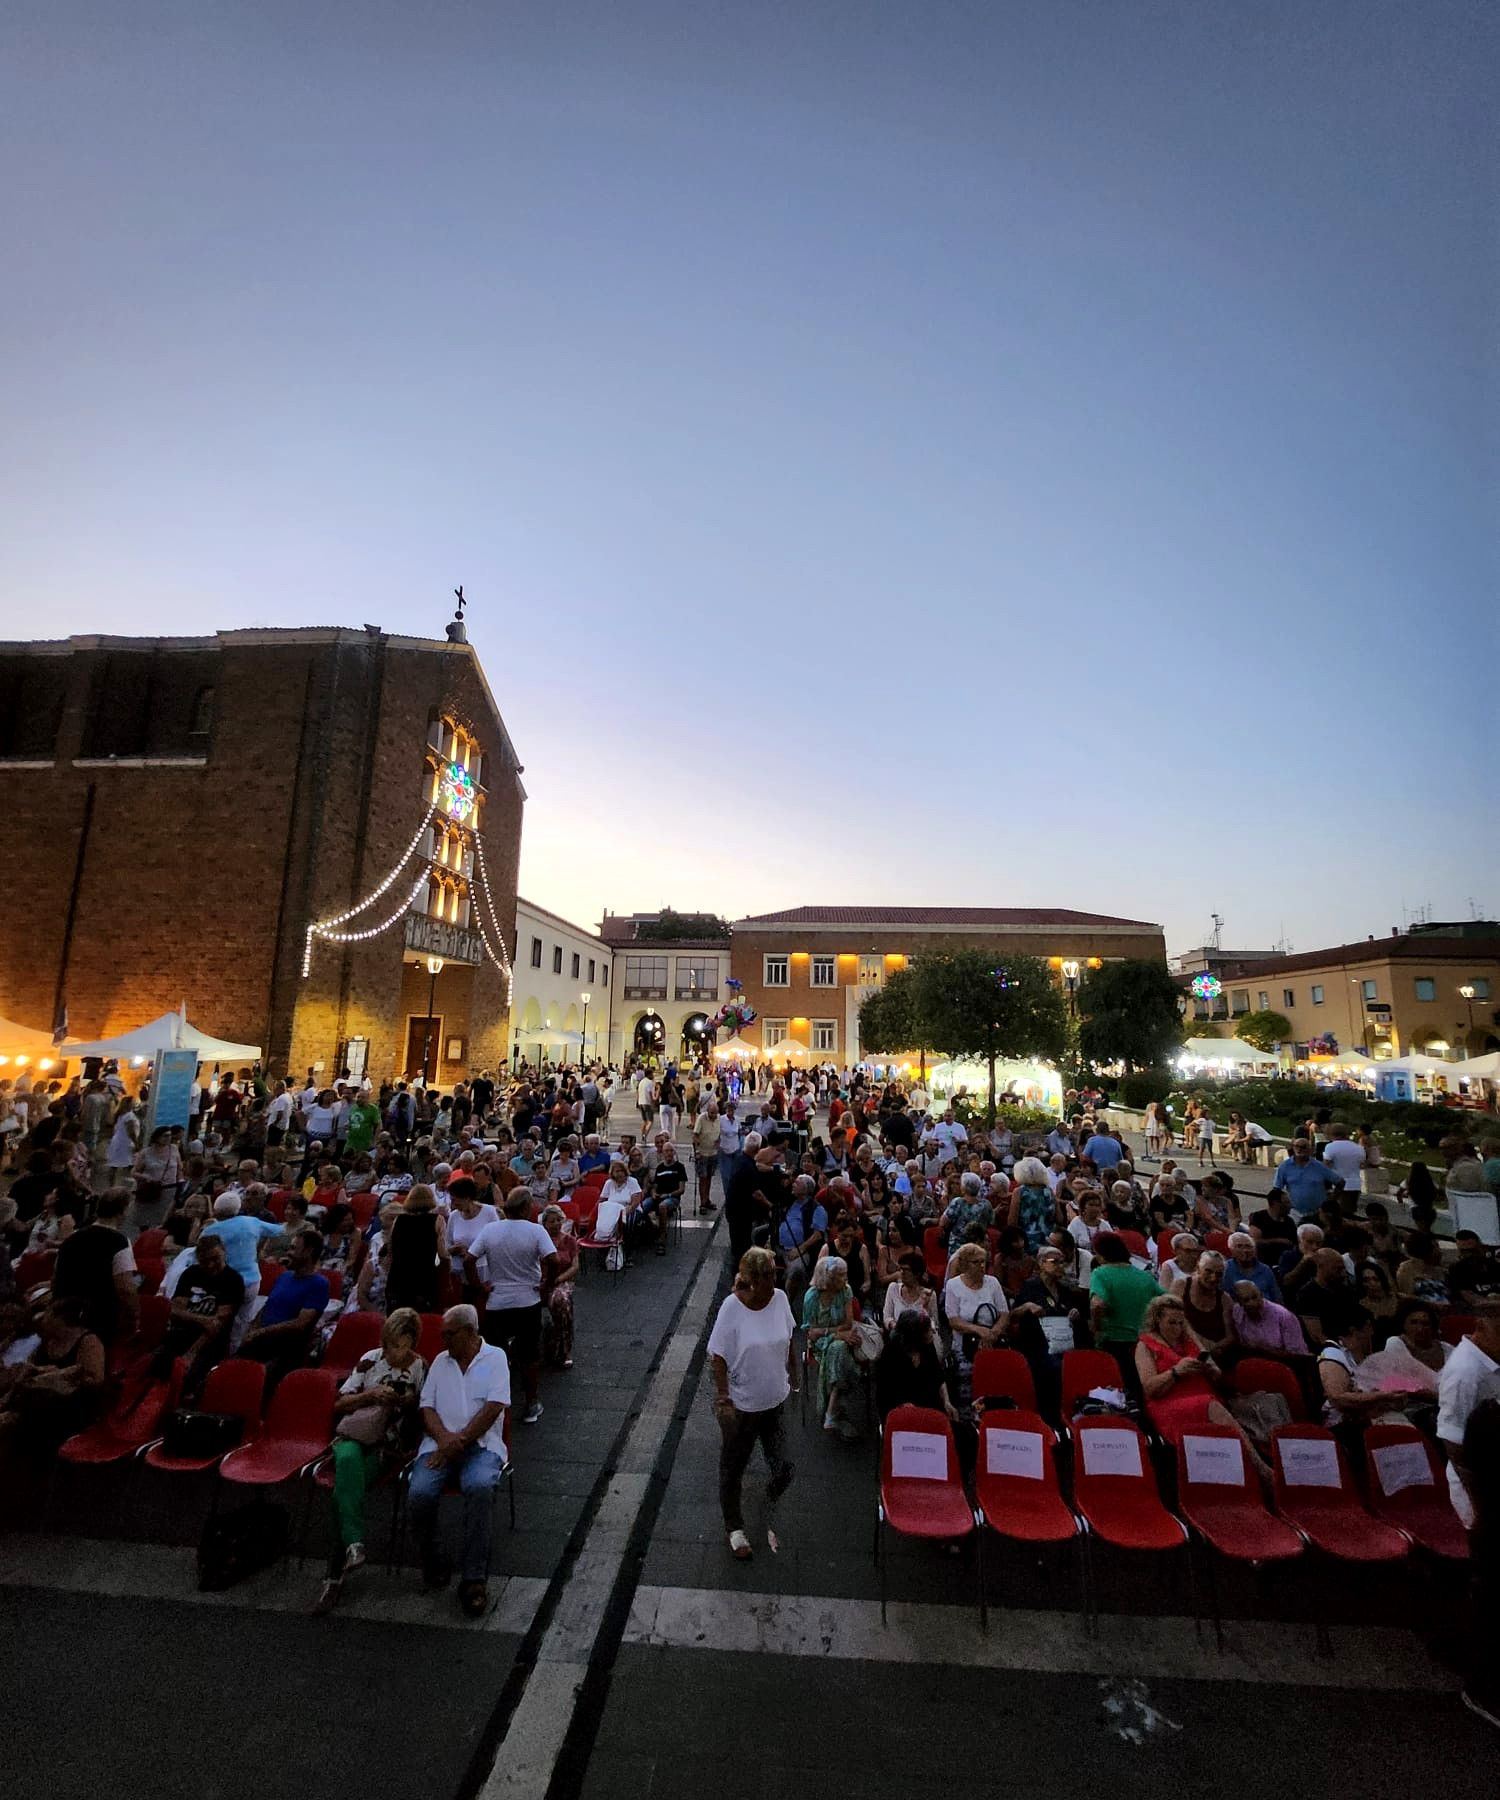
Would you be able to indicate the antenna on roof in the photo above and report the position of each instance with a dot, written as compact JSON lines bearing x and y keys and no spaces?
{"x":1218,"y":919}
{"x":456,"y":632}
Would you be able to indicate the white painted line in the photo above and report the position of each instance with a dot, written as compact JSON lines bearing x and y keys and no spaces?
{"x":1051,"y":1642}
{"x":129,"y":1571}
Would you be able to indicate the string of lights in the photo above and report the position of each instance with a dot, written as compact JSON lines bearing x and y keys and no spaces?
{"x":359,"y":937}
{"x":324,"y":928}
{"x":502,"y":961}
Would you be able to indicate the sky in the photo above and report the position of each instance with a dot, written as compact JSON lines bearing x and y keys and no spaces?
{"x":1025,"y":453}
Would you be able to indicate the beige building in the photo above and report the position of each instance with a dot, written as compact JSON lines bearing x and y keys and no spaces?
{"x":666,"y":988}
{"x":561,"y":998}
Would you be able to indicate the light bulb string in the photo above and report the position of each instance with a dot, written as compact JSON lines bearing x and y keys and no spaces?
{"x":355,"y":937}
{"x":385,"y":886}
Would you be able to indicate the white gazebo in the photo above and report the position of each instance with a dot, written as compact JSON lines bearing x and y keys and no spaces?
{"x":1223,"y":1053}
{"x":788,"y":1051}
{"x":736,"y":1049}
{"x":170,"y":1032}
{"x":22,"y":1045}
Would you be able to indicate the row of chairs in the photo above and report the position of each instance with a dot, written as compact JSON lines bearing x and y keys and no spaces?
{"x":1115,"y":1496}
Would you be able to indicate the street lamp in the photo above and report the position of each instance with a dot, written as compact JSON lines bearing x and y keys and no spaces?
{"x":1468,"y":990}
{"x":1070,"y":975}
{"x":434,"y":969}
{"x":585,"y":1032}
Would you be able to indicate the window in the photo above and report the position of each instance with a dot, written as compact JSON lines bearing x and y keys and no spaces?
{"x":1288,"y":996}
{"x":823,"y":974}
{"x":645,"y":978}
{"x":536,"y":953}
{"x":1367,"y":990}
{"x":1426,"y":988}
{"x":575,"y":965}
{"x":1317,"y":995}
{"x":776,"y":975}
{"x":591,"y":971}
{"x":150,"y":703}
{"x":604,"y":972}
{"x":772,"y":1032}
{"x":825,"y":1034}
{"x":871,"y":971}
{"x":202,"y":721}
{"x":557,"y":959}
{"x":1480,"y":985}
{"x":697,"y":977}
{"x":1263,"y":1001}
{"x":1239,"y":1001}
{"x":32,"y":692}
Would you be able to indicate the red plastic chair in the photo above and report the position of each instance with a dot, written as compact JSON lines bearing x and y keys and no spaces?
{"x":431,"y":1345}
{"x":1083,"y":1370}
{"x":1219,"y":1497}
{"x":353,"y":1335}
{"x":1015,"y":1482}
{"x":1135,"y":1242}
{"x":35,"y":1268}
{"x":1320,"y":1502}
{"x":926,"y":1499}
{"x":1417,"y":1503}
{"x":935,"y":1254}
{"x":362,"y":1206}
{"x":1114,"y":1490}
{"x":270,"y":1273}
{"x":151,"y":1243}
{"x":276,"y":1205}
{"x":1004,"y":1375}
{"x":1264,"y":1375}
{"x":1455,"y":1327}
{"x":128,"y":1355}
{"x":125,"y":1430}
{"x":295,"y":1433}
{"x":335,"y":1280}
{"x":236,"y":1386}
{"x":1164,"y":1245}
{"x":1217,"y":1240}
{"x":603,"y":1242}
{"x":152,"y":1271}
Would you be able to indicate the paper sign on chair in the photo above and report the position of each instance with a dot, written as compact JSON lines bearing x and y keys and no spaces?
{"x":1013,"y":1452}
{"x":919,"y":1455}
{"x":1111,"y":1453}
{"x":1214,"y":1462}
{"x":1310,"y":1462}
{"x":1401,"y":1466}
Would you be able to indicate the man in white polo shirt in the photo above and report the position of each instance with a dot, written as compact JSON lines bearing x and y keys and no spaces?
{"x":463,"y":1419}
{"x":1470,"y":1375}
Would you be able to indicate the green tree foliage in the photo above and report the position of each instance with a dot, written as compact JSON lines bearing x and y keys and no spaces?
{"x":707,"y":927}
{"x":1128,"y":1014}
{"x":968,"y":1003}
{"x":1264,"y":1029}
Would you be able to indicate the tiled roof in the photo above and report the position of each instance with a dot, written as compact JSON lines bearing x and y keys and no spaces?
{"x":1421,"y":948}
{"x":980,"y":917}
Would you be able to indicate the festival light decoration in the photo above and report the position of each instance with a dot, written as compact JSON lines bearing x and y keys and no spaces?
{"x":1206,"y":987}
{"x":502,"y":961}
{"x":456,"y":792}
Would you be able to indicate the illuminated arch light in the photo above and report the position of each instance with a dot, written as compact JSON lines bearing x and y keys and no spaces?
{"x":456,"y":793}
{"x":328,"y":928}
{"x":1206,"y":987}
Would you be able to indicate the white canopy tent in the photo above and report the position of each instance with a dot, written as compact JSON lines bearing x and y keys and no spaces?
{"x":1417,"y":1064}
{"x":1040,"y":1085}
{"x":170,"y":1032}
{"x":736,"y":1049}
{"x":17,"y":1041}
{"x":1477,"y":1068}
{"x":1226,"y":1053}
{"x":789,"y":1051}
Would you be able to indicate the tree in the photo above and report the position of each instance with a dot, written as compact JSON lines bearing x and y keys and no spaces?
{"x":974,"y":1003}
{"x":668,"y":924}
{"x":1264,"y":1029}
{"x":1129,"y":1014}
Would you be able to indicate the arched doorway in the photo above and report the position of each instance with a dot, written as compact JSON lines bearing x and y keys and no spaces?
{"x":697,"y":1037}
{"x":650,"y":1035}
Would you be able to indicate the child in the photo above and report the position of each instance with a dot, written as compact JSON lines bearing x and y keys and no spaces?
{"x":1205,"y":1138}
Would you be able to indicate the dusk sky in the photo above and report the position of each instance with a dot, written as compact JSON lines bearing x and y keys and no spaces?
{"x":1013,"y":453}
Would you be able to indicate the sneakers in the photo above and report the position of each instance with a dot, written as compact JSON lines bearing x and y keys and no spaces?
{"x":739,"y":1546}
{"x":532,"y":1413}
{"x":354,"y":1558}
{"x":1484,"y":1709}
{"x":830,"y":1422}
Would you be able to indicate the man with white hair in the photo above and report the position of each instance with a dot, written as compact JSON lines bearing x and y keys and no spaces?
{"x":595,"y":1156}
{"x":1245,"y":1265}
{"x":463,"y":1417}
{"x":1297,"y":1265}
{"x":243,"y":1234}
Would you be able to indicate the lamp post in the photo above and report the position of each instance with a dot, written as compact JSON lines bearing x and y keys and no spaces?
{"x":1070,"y":975}
{"x":434,"y":969}
{"x":584,"y":1046}
{"x":1468,"y":991}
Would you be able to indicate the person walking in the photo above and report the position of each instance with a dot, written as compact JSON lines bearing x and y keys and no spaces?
{"x":753,"y":1366}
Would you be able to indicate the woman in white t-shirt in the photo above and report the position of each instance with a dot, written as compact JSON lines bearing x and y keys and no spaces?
{"x":751,"y":1361}
{"x":974,"y":1303}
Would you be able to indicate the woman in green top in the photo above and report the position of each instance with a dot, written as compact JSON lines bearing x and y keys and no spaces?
{"x":1119,"y":1294}
{"x":828,"y":1320}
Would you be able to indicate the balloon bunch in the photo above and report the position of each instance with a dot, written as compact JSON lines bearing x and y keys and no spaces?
{"x":733,"y":983}
{"x":733,"y":1015}
{"x":1326,"y":1045}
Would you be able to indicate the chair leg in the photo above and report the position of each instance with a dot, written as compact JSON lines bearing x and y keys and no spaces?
{"x":984,"y":1606}
{"x":881,"y":1559}
{"x":1213,"y":1596}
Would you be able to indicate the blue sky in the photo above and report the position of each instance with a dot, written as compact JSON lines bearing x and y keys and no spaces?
{"x":1025,"y":454}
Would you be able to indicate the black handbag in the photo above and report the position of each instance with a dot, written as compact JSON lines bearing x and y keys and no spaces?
{"x":199,"y":1436}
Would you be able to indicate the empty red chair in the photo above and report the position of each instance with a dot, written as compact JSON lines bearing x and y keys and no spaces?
{"x":130,"y":1424}
{"x":1264,"y":1375}
{"x":1454,"y":1328}
{"x":1083,"y":1370}
{"x":1015,"y":1481}
{"x":353,"y":1335}
{"x":935,"y":1253}
{"x":1219,"y":1497}
{"x":237,"y":1386}
{"x":921,"y":1489}
{"x":1408,"y":1488}
{"x":1114,"y":1488}
{"x":1004,"y":1375}
{"x":295,"y":1433}
{"x":34,"y":1268}
{"x":1315,"y":1496}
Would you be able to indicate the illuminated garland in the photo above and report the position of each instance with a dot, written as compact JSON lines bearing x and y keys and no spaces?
{"x":502,"y":961}
{"x":324,"y":928}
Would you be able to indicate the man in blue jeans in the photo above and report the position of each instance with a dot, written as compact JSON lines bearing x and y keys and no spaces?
{"x":464,"y":1401}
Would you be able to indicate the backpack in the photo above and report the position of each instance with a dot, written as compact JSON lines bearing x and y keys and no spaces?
{"x":240,"y":1543}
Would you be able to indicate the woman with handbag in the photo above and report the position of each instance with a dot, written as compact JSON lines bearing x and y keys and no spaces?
{"x":375,"y":1422}
{"x":158,"y":1175}
{"x":828,"y":1321}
